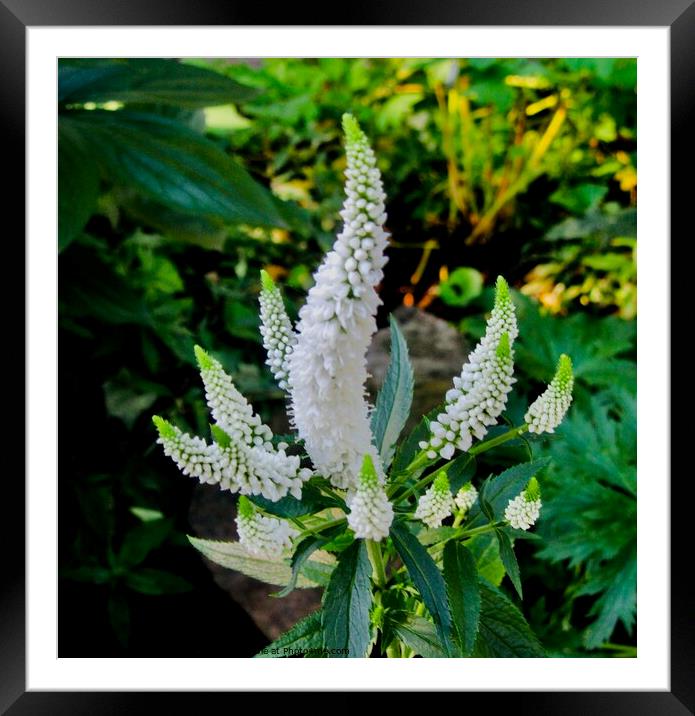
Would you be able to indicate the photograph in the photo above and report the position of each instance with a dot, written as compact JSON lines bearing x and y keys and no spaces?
{"x":347,"y":357}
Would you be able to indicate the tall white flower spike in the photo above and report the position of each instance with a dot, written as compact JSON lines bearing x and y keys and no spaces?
{"x":523,"y":511}
{"x":437,"y":503}
{"x":276,"y":330}
{"x":466,"y":497}
{"x":327,"y":368}
{"x":192,"y":455}
{"x":262,"y":536}
{"x":548,"y":410}
{"x":242,"y":457}
{"x":480,"y":393}
{"x":371,"y":513}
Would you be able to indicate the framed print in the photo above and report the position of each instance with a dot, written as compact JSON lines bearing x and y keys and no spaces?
{"x":351,"y":360}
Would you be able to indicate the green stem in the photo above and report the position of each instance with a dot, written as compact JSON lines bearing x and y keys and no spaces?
{"x":323,"y":527}
{"x":494,"y":442}
{"x":419,"y":462}
{"x":377,"y":560}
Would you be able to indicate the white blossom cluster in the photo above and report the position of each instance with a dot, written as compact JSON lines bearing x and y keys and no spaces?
{"x":466,"y":497}
{"x":327,"y":366}
{"x":371,"y":513}
{"x":262,"y":536}
{"x":242,"y":457}
{"x":523,"y":511}
{"x":437,"y":503}
{"x":480,"y":393}
{"x":548,"y":410}
{"x":276,"y":330}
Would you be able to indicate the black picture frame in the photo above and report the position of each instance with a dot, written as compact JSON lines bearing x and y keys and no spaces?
{"x":678,"y":15}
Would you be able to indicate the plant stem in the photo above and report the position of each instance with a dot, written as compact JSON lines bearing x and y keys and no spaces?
{"x":418,"y":462}
{"x":323,"y":527}
{"x":377,"y":560}
{"x":494,"y":442}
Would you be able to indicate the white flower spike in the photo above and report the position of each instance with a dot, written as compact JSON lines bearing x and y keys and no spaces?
{"x":437,"y":503}
{"x":192,"y":455}
{"x":371,"y":513}
{"x":262,"y":536}
{"x":466,"y":497}
{"x":276,"y":330}
{"x":523,"y":511}
{"x":480,"y":393}
{"x":548,"y":410}
{"x":328,"y":367}
{"x":242,"y":457}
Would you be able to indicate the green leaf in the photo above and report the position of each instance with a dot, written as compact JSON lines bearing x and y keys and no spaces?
{"x":146,"y":81}
{"x":87,"y":573}
{"x":420,"y":635}
{"x":313,"y":500}
{"x":303,"y":551}
{"x":427,"y":579}
{"x":460,"y":471}
{"x":461,"y":577}
{"x":486,"y":551}
{"x":463,"y":285}
{"x":511,"y":566}
{"x":409,"y":447}
{"x":278,"y":572}
{"x":174,"y":165}
{"x":141,"y":540}
{"x":119,"y":616}
{"x":156,"y":581}
{"x":346,"y":604}
{"x":504,"y":487}
{"x":78,"y":185}
{"x":394,"y":399}
{"x":503,"y":632}
{"x":305,"y":635}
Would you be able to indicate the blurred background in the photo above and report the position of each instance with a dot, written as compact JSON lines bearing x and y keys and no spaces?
{"x":180,"y":180}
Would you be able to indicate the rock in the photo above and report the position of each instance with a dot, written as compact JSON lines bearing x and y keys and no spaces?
{"x":437,"y":351}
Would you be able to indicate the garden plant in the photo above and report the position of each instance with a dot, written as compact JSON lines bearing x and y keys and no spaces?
{"x":409,"y":538}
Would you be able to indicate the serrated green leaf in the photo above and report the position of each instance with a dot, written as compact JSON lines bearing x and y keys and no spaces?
{"x":346,"y":604}
{"x":305,"y":635}
{"x":420,"y":635}
{"x":394,"y":399}
{"x":303,"y":551}
{"x":461,"y":577}
{"x":173,"y":165}
{"x":511,"y":566}
{"x":409,"y":447}
{"x":146,"y":81}
{"x":504,"y":633}
{"x":486,"y":551}
{"x":313,"y":500}
{"x":498,"y":490}
{"x":427,"y":579}
{"x":460,"y":471}
{"x":278,"y":572}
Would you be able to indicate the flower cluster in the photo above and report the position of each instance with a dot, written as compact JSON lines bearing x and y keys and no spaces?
{"x":371,"y":513}
{"x":242,"y":457}
{"x":327,"y":367}
{"x":260,"y":535}
{"x":437,"y":503}
{"x":548,"y":410}
{"x":276,"y":331}
{"x":480,"y":393}
{"x":523,"y":511}
{"x":466,"y":497}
